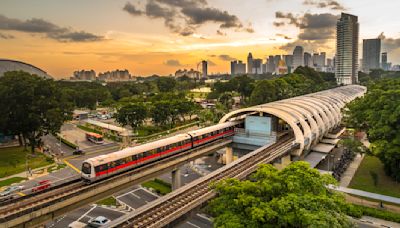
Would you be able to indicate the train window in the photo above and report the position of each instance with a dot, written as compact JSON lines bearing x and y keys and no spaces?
{"x":154,"y":151}
{"x":158,"y":150}
{"x":128,"y":159}
{"x":86,"y":168}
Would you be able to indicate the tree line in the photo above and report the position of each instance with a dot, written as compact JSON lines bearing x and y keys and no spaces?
{"x":378,"y":114}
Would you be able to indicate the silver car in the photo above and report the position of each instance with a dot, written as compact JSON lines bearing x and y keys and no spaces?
{"x":98,"y":221}
{"x":10,"y":190}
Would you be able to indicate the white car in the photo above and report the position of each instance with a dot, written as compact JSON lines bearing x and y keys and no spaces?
{"x":98,"y":221}
{"x":10,"y":190}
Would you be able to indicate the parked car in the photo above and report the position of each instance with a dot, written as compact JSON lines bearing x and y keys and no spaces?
{"x":12,"y":189}
{"x":42,"y":185}
{"x":98,"y":221}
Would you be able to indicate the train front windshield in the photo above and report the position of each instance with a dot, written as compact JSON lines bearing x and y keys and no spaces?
{"x":86,"y":168}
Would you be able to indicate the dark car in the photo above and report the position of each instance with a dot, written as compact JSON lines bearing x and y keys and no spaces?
{"x":78,"y":152}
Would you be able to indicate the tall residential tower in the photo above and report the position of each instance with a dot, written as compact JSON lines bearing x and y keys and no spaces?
{"x":347,"y":49}
{"x":298,"y":57}
{"x":371,"y":54}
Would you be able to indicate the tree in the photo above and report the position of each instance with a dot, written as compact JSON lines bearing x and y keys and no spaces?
{"x":296,"y":196}
{"x":226,"y":99}
{"x":132,"y":115}
{"x":166,"y":84}
{"x":31,"y":107}
{"x":264,"y":92}
{"x":378,"y":113}
{"x":161,"y":112}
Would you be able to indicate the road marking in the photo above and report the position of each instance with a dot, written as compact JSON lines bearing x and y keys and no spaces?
{"x":72,"y":166}
{"x":135,"y":195}
{"x":204,"y":217}
{"x":193,"y":224}
{"x":91,"y":209}
{"x":21,"y":193}
{"x":148,"y":191}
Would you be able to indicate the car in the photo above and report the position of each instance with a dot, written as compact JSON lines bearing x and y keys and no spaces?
{"x":10,"y":190}
{"x":78,"y":152}
{"x":42,"y":185}
{"x":98,"y":221}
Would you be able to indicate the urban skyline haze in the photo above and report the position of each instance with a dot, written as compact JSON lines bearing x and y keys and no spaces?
{"x":160,"y":36}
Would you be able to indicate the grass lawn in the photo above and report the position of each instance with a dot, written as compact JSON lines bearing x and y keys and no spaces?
{"x":110,"y":201}
{"x":12,"y":161}
{"x":11,"y":181}
{"x":160,"y":186}
{"x":363,"y":179}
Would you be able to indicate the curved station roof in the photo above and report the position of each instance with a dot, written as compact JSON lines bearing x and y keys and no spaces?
{"x":310,"y":116}
{"x":14,"y":65}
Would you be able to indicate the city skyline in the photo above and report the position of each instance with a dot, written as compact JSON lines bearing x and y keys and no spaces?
{"x":128,"y":35}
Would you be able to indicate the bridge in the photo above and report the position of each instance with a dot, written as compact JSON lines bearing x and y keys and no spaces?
{"x":294,"y":126}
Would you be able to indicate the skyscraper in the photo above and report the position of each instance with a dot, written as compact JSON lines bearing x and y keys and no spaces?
{"x":289,"y":62}
{"x":384,"y":61}
{"x":308,"y":59}
{"x":204,"y":68}
{"x":371,"y":54}
{"x":238,"y":67}
{"x":271,"y":64}
{"x":347,"y":49}
{"x":257,"y":66}
{"x":298,"y":57}
{"x":250,"y":63}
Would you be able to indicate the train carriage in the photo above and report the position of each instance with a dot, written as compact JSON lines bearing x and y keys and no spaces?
{"x":105,"y":165}
{"x":212,"y":133}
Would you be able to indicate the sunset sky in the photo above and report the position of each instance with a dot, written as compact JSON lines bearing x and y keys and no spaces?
{"x":160,"y":36}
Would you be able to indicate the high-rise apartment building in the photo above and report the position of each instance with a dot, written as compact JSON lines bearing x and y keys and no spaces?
{"x":250,"y":63}
{"x":204,"y":68}
{"x":271,"y":64}
{"x":289,"y":62}
{"x":86,"y":75}
{"x":298,"y":57}
{"x":347,"y":30}
{"x":371,"y":54}
{"x":238,"y":67}
{"x":308,"y":59}
{"x":257,"y":66}
{"x":385,"y":64}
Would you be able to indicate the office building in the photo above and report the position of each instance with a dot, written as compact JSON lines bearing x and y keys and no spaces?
{"x":238,"y":68}
{"x":204,"y":68}
{"x":270,"y":64}
{"x":298,"y":57}
{"x":347,"y":30}
{"x":250,"y":63}
{"x":371,"y":54}
{"x":257,"y":66}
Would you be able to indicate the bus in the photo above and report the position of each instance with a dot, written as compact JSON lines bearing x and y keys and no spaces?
{"x":95,"y":138}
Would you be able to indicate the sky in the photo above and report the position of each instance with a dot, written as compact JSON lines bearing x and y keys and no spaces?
{"x":161,"y":36}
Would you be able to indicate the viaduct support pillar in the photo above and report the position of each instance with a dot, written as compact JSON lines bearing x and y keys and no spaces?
{"x":228,"y":155}
{"x":176,"y":179}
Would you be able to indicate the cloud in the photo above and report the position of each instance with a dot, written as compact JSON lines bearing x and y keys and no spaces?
{"x":173,"y":62}
{"x":6,"y":36}
{"x":49,"y":29}
{"x":331,"y":4}
{"x":226,"y":57}
{"x":211,"y":63}
{"x":316,"y":30}
{"x":221,"y":33}
{"x":283,"y":36}
{"x":389,"y":43}
{"x":132,"y":9}
{"x":185,"y":16}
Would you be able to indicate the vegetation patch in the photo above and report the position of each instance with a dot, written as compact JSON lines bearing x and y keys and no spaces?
{"x":110,"y":201}
{"x":370,"y":176}
{"x":66,"y":142}
{"x":55,"y":168}
{"x":13,"y":160}
{"x":160,"y":186}
{"x":358,"y":211}
{"x":11,"y":181}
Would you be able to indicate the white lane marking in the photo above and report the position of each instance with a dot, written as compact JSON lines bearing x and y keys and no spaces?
{"x":193,"y":224}
{"x":150,"y":192}
{"x":91,"y":209}
{"x":135,"y":195}
{"x":204,"y":217}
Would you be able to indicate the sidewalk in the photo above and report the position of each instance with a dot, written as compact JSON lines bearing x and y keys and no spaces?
{"x":351,"y":170}
{"x":23,"y":174}
{"x":369,"y":195}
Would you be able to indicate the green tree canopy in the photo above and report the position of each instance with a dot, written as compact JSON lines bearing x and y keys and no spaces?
{"x":166,"y":84}
{"x":132,"y":115}
{"x":31,"y":107}
{"x":296,"y":196}
{"x":378,"y":113}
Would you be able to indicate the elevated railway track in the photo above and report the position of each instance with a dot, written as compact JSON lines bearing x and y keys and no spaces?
{"x":166,"y":209}
{"x":38,"y":208}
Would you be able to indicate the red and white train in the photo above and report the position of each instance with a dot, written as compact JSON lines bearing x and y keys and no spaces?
{"x":107,"y":165}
